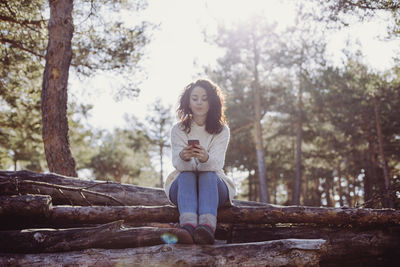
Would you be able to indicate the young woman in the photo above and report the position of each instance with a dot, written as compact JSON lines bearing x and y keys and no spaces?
{"x":198,"y":186}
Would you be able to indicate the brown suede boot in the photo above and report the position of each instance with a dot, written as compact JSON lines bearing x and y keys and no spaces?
{"x":203,"y":235}
{"x":184,"y":234}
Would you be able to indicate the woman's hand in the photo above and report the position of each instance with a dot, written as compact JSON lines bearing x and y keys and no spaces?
{"x":200,"y":153}
{"x":187,"y":153}
{"x":196,"y":151}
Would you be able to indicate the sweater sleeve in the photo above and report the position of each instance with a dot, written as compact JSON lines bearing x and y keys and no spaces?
{"x":216,"y":152}
{"x":178,"y":142}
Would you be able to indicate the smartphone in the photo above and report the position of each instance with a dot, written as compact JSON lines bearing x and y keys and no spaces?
{"x":193,"y":142}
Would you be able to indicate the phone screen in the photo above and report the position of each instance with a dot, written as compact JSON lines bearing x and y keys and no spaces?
{"x":193,"y":142}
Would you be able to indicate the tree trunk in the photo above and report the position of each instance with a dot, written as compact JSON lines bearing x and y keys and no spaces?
{"x":271,"y":214}
{"x":244,"y":211}
{"x":340,"y":191}
{"x":344,"y":245}
{"x":316,"y":194}
{"x":354,"y":236}
{"x":25,"y":205}
{"x":290,"y":252}
{"x":332,"y":186}
{"x":71,"y":215}
{"x":370,"y":172}
{"x":299,"y":133}
{"x":306,"y":196}
{"x":262,"y":169}
{"x":354,"y":190}
{"x":70,"y":191}
{"x":256,"y":186}
{"x":111,"y":235}
{"x":250,"y":186}
{"x":350,"y":199}
{"x":386,"y":194}
{"x":54,"y":89}
{"x":274,"y":188}
{"x":327,"y":190}
{"x":161,"y":167}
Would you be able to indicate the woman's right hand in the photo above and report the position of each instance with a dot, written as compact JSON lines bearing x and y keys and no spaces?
{"x":186,"y":153}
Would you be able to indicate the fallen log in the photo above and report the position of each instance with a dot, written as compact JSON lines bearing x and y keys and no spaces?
{"x":232,"y":215}
{"x":105,"y":214}
{"x":290,"y":252}
{"x":273,"y":214}
{"x":112,"y":235}
{"x":25,"y":205}
{"x":81,"y":191}
{"x":84,"y":215}
{"x":344,"y":244}
{"x":74,"y":191}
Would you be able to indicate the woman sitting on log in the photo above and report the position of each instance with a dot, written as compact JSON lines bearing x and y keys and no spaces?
{"x":198,"y":186}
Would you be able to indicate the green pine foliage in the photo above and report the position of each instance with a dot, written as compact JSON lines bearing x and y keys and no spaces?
{"x":341,"y":164}
{"x":159,"y":123}
{"x":100,"y":43}
{"x":123,"y":156}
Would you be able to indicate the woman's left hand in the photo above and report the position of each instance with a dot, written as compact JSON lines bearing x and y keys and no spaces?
{"x":200,"y":153}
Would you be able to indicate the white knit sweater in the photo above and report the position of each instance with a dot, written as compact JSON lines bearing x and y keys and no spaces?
{"x":214,"y":144}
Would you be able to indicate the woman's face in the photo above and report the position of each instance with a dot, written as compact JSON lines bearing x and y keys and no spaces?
{"x":199,"y":102}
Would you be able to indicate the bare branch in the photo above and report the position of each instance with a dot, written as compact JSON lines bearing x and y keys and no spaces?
{"x":20,"y":46}
{"x":38,"y":23}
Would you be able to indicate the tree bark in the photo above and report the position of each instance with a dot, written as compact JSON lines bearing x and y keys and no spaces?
{"x":316,"y":194}
{"x":112,"y":235}
{"x":262,"y":169}
{"x":387,"y":194}
{"x":54,"y":89}
{"x":299,"y":133}
{"x":351,"y":241}
{"x":339,"y":185}
{"x":72,"y":191}
{"x":370,"y":172}
{"x":243,"y":211}
{"x":104,"y":214}
{"x":75,"y":215}
{"x":274,"y":214}
{"x":25,"y":205}
{"x":289,"y":252}
{"x":350,"y":199}
{"x":250,"y":186}
{"x":161,"y":166}
{"x":344,"y":245}
{"x":327,"y":188}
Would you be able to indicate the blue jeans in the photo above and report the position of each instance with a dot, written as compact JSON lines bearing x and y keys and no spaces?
{"x":198,"y":192}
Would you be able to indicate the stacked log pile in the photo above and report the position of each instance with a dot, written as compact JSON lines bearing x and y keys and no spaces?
{"x":52,"y":220}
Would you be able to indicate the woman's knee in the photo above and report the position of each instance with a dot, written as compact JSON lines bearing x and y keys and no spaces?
{"x":186,"y":177}
{"x":173,"y":192}
{"x":185,"y":174}
{"x":208,"y":176}
{"x":223,"y":193}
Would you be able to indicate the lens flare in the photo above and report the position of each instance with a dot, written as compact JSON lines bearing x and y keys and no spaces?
{"x":169,"y":238}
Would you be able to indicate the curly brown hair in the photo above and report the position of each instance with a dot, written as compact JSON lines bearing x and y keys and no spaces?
{"x":215,"y":117}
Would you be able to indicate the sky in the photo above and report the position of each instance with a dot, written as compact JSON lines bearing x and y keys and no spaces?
{"x":178,"y":42}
